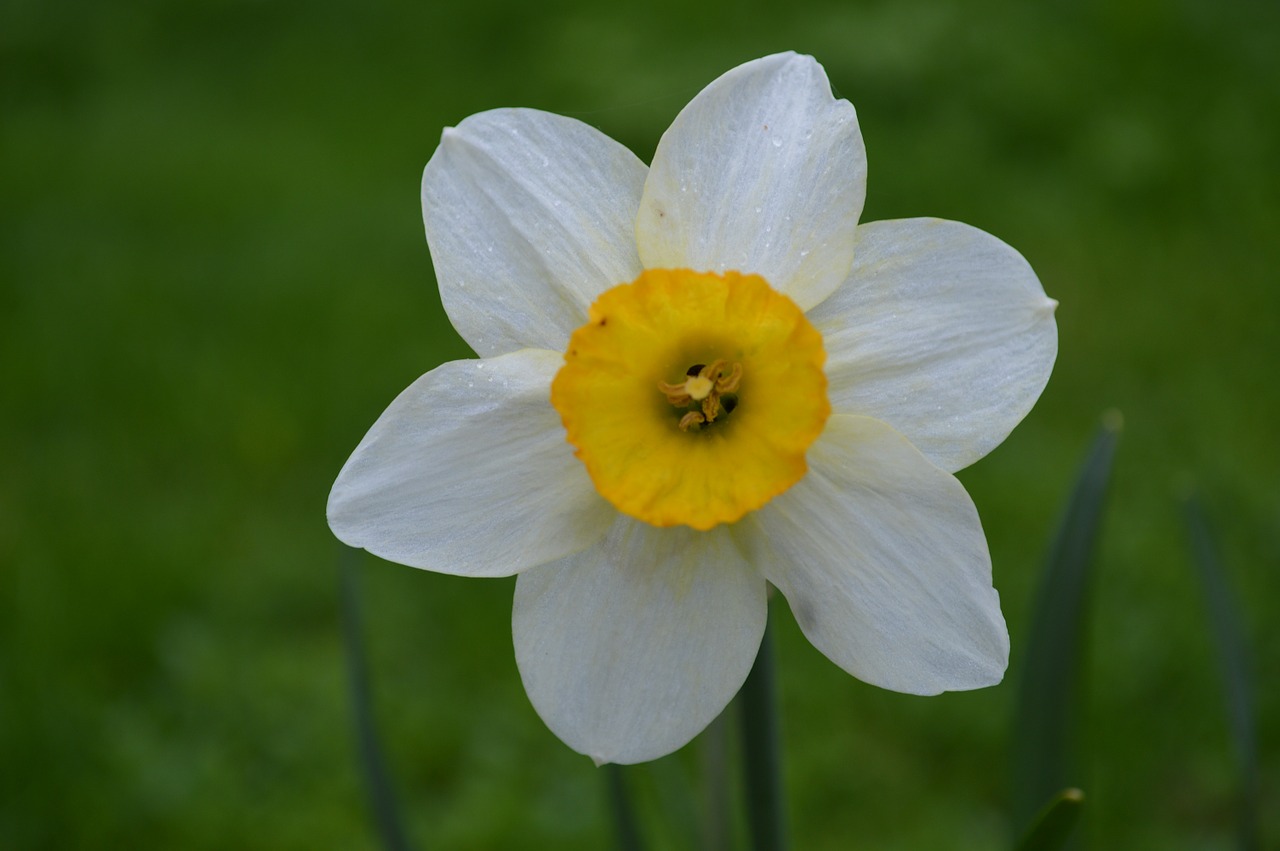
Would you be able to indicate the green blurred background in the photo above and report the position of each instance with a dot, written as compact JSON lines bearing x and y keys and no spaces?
{"x":213,"y":278}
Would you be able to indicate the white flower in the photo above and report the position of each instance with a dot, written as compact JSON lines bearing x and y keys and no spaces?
{"x":867,"y":364}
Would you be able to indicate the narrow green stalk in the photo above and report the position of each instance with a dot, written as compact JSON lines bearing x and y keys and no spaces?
{"x":717,"y":824}
{"x":626,"y":829}
{"x":381,"y":791}
{"x":762,"y":763}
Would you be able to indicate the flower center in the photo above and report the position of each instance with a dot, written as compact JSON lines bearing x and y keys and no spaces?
{"x":708,"y":390}
{"x":741,"y":394}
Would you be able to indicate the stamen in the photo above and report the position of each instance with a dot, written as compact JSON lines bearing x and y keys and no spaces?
{"x":705,"y":385}
{"x":729,"y":384}
{"x":691,"y":419}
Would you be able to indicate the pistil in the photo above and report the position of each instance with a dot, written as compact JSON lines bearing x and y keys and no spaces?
{"x":706,"y":386}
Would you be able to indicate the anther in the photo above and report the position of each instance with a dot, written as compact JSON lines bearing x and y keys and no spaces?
{"x":691,"y":419}
{"x":704,"y":386}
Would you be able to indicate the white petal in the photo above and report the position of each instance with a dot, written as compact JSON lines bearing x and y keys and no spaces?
{"x":468,"y":472}
{"x":629,"y":649}
{"x":763,"y":172}
{"x":942,"y":331}
{"x":882,"y":558}
{"x":529,"y":217}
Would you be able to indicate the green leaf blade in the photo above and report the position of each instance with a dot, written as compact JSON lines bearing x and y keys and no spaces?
{"x":1053,"y":826}
{"x":1233,"y":667}
{"x":1046,"y":699}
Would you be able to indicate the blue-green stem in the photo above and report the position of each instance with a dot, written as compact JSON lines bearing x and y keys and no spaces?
{"x":382,"y":798}
{"x":717,"y":823}
{"x":761,"y":759}
{"x":625,"y":828}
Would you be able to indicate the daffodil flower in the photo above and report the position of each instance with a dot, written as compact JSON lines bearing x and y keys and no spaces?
{"x":697,"y":379}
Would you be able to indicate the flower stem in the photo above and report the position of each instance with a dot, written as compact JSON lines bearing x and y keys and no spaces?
{"x":717,"y":819}
{"x":626,"y":830}
{"x":760,"y":751}
{"x":377,"y":776}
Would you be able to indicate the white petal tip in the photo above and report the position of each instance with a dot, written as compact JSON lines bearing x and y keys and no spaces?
{"x":979,"y":676}
{"x":600,"y":761}
{"x":956,"y":681}
{"x":1050,"y":305}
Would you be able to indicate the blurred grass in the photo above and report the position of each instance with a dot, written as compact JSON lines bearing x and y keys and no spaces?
{"x":213,"y":278}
